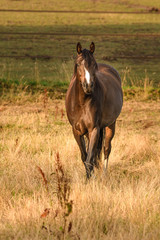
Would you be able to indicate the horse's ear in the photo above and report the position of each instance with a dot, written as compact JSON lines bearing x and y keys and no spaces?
{"x":79,"y":48}
{"x":92,"y":47}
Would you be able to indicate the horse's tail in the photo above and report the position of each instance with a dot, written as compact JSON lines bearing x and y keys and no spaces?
{"x":99,"y":147}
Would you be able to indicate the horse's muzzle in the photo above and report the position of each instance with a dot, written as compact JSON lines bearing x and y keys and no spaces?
{"x":88,"y":88}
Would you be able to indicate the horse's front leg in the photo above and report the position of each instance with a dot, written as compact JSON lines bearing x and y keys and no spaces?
{"x":92,"y":150}
{"x":81,"y":143}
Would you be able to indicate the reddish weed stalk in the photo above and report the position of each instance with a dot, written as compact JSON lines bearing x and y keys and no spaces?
{"x":45,"y":104}
{"x":45,"y":98}
{"x":62,"y":191}
{"x":63,"y":195}
{"x":43,"y":177}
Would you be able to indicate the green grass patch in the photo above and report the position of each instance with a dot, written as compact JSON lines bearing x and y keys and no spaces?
{"x":34,"y":58}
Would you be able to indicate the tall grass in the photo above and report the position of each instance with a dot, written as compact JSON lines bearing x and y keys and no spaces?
{"x":124,"y":204}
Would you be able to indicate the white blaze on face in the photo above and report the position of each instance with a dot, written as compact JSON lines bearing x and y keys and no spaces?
{"x":87,"y":75}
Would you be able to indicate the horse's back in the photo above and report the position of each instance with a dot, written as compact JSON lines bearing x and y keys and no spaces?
{"x":110,"y":85}
{"x":109,"y":71}
{"x":110,"y":81}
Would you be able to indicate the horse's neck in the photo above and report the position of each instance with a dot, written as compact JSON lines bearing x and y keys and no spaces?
{"x":79,"y":93}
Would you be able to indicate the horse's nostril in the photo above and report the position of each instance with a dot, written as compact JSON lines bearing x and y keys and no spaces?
{"x":91,"y":84}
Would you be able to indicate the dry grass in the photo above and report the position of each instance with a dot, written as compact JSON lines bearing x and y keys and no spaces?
{"x":125,"y":204}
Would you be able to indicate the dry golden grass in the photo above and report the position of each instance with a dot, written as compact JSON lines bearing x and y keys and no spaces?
{"x":124,"y":204}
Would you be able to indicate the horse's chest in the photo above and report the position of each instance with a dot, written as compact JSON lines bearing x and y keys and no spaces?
{"x":85,"y":121}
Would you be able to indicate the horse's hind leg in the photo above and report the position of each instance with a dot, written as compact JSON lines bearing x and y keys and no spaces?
{"x":109,"y":134}
{"x":99,"y":149}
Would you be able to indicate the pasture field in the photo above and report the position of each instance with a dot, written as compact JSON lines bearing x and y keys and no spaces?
{"x":43,"y":189}
{"x":75,"y":5}
{"x":40,"y":199}
{"x":37,"y":50}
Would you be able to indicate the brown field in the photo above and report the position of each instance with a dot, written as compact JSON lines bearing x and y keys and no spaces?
{"x":40,"y":199}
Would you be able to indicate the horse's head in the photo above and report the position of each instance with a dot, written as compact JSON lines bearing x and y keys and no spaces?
{"x":86,"y":67}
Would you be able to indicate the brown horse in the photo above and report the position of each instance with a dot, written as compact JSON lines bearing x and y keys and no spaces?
{"x":93,"y":102}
